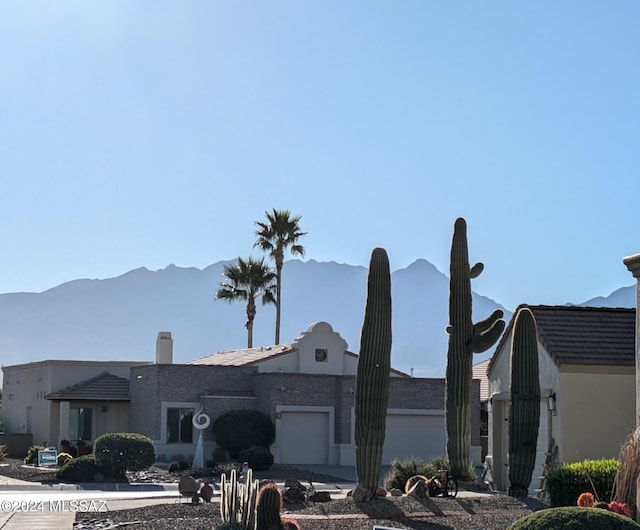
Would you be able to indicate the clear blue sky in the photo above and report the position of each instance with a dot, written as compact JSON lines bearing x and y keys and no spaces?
{"x":147,"y":133}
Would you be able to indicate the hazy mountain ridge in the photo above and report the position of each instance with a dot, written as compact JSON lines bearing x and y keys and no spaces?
{"x":118,"y":318}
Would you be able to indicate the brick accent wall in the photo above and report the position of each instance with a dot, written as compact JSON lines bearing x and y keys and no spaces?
{"x":223,"y":388}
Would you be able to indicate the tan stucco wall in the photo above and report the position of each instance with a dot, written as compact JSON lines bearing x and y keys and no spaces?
{"x":596,"y":412}
{"x":26,"y":385}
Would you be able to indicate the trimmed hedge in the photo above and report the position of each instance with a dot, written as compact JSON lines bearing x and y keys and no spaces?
{"x":238,"y":430}
{"x":80,"y":469}
{"x":117,"y":453}
{"x":565,"y":483}
{"x":574,"y":518}
{"x":258,"y":458}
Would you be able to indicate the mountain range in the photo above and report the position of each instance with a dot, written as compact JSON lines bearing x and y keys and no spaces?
{"x":119,"y":318}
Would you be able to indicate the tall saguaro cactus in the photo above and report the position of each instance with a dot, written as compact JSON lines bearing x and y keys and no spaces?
{"x":372,"y":377}
{"x":465,"y":339}
{"x":524,"y":413}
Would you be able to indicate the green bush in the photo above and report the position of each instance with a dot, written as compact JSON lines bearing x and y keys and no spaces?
{"x":258,"y":458}
{"x":565,"y":483}
{"x":117,"y":453}
{"x":574,"y":518}
{"x":32,"y":454}
{"x":238,"y":430}
{"x":403,"y":470}
{"x":81,"y":469}
{"x":178,"y":465}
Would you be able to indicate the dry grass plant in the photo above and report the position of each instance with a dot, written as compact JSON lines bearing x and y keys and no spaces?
{"x":625,"y":486}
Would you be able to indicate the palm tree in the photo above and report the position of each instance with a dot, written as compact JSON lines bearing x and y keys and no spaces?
{"x":279,"y":232}
{"x":248,"y":280}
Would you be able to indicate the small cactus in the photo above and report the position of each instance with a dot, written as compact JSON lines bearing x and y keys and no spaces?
{"x":268,"y":507}
{"x":238,"y":501}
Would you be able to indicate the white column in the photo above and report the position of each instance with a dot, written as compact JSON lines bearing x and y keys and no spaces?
{"x":63,"y":433}
{"x":633,"y":264}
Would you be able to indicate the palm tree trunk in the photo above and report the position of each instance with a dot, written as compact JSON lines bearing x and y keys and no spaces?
{"x":279,"y":260}
{"x":251,"y":313}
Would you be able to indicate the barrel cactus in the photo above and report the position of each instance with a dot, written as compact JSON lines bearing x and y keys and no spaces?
{"x":372,"y":376}
{"x":465,"y":339}
{"x":524,"y":413}
{"x":268,"y":507}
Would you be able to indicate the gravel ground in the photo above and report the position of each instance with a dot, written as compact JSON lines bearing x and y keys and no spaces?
{"x":491,"y":512}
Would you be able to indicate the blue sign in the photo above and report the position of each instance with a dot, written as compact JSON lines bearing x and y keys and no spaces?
{"x":48,"y":457}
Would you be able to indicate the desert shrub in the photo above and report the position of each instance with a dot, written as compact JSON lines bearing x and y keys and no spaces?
{"x":238,"y":430}
{"x":258,"y":458}
{"x":574,"y":518}
{"x":81,"y":469}
{"x":178,"y":465}
{"x":402,"y":470}
{"x":117,"y":453}
{"x":565,"y":483}
{"x":32,"y":454}
{"x":626,"y":480}
{"x":63,"y":458}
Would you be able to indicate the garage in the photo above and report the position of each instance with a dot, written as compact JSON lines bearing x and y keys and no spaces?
{"x":303,"y":437}
{"x":422,"y":435}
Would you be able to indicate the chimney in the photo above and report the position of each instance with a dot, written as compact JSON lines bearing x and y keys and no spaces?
{"x":164,"y":348}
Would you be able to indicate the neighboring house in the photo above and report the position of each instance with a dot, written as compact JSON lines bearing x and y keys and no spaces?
{"x":306,"y":387}
{"x":586,"y":358}
{"x":480,"y":373}
{"x":57,"y":400}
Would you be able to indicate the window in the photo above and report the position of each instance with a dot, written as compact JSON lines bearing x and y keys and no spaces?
{"x":321,"y":355}
{"x":179,"y":425}
{"x":80,"y":423}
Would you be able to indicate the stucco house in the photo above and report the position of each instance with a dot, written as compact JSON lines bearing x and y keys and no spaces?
{"x":586,"y":358}
{"x":306,"y":387}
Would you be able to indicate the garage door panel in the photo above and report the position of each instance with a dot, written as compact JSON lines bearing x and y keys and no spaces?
{"x":421,"y":436}
{"x":304,"y":437}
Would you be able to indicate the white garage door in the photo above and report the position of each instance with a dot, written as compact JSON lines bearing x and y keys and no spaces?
{"x":407,"y":435}
{"x":304,"y":437}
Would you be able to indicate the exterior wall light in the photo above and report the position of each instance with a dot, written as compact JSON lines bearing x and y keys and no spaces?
{"x":551,"y":403}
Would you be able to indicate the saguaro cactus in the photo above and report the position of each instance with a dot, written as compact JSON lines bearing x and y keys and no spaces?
{"x":372,"y":377}
{"x":465,"y":339}
{"x":524,"y":413}
{"x":238,"y":501}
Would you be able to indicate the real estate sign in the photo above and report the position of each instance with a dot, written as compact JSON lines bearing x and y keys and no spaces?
{"x":47,"y":457}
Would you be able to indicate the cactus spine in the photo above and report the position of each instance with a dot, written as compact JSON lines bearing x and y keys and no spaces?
{"x":238,"y":501}
{"x":268,"y":507}
{"x":524,"y":413}
{"x":372,"y":377}
{"x":465,"y":339}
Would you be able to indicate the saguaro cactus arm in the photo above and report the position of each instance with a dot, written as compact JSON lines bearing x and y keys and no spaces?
{"x":487,"y":332}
